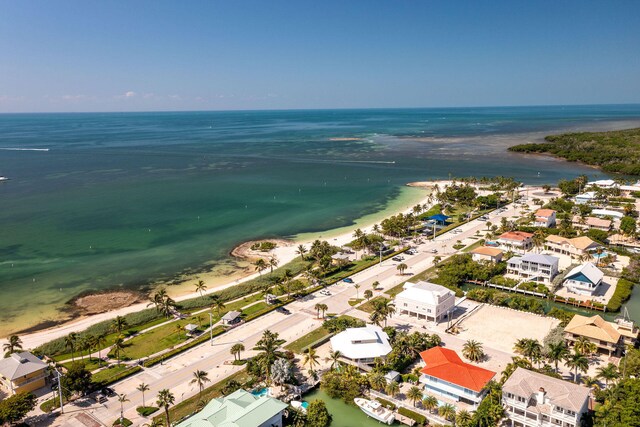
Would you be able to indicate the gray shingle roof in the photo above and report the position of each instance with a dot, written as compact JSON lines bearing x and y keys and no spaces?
{"x":20,"y":364}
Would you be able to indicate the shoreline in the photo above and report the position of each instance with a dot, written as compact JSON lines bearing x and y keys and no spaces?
{"x":285,"y":252}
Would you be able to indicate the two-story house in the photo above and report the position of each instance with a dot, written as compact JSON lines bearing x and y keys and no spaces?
{"x":591,"y":222}
{"x":545,"y":218}
{"x":575,"y":247}
{"x":584,"y":279}
{"x":534,"y":267}
{"x":446,"y":375}
{"x":425,"y":300}
{"x":22,"y":372}
{"x":515,"y":241}
{"x":610,"y":338}
{"x":531,"y":399}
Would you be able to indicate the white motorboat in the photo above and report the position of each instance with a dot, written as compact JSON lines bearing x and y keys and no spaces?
{"x":375,"y":410}
{"x":3,"y":178}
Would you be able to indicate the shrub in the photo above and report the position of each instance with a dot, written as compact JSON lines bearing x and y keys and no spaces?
{"x":125,"y":422}
{"x":418,"y":418}
{"x":145,"y":411}
{"x":386,"y":403}
{"x":620,"y":295}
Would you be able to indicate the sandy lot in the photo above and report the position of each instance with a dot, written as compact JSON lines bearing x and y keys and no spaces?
{"x":500,"y":328}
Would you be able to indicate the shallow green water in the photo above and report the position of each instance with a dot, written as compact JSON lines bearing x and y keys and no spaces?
{"x":343,"y":415}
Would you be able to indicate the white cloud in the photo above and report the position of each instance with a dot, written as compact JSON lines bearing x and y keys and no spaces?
{"x":130,"y":94}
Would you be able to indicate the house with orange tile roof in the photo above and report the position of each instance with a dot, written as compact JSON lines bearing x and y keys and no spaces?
{"x":487,"y":253}
{"x":515,"y":241}
{"x":446,"y":375}
{"x":545,"y":218}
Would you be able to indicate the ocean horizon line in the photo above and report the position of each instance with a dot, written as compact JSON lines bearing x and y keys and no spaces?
{"x":289,"y":110}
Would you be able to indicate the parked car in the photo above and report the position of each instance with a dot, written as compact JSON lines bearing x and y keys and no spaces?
{"x":434,"y":251}
{"x":283,"y":310}
{"x":100,"y":398}
{"x":347,"y":280}
{"x":108,"y":391}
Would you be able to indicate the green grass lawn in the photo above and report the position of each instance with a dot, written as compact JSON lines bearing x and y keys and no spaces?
{"x":190,"y":406}
{"x":474,"y":245}
{"x":368,"y":306}
{"x":354,"y":302}
{"x":255,"y":308}
{"x":106,"y":374}
{"x":161,"y":338}
{"x":424,"y":275}
{"x":301,"y":344}
{"x":90,"y":365}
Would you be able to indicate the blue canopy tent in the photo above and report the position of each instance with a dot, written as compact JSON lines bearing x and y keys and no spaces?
{"x":440,"y":218}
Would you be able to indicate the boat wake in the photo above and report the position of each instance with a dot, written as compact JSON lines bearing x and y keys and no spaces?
{"x":23,"y":149}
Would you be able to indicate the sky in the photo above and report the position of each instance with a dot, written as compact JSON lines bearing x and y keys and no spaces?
{"x":301,"y":54}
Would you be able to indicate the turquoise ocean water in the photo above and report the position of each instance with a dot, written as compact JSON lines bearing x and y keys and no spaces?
{"x":124,"y":199}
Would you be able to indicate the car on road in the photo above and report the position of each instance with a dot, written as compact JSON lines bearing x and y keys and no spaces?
{"x":410,"y":252}
{"x":434,"y":251}
{"x":397,"y":258}
{"x":347,"y":280}
{"x":283,"y":310}
{"x":99,"y":398}
{"x":108,"y":391}
{"x":324,"y":292}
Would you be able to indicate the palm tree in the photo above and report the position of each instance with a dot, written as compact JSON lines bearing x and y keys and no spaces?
{"x":236,"y":349}
{"x":165,"y":400}
{"x":201,"y":287}
{"x":463,"y":418}
{"x":447,"y":411}
{"x":101,"y":340}
{"x":356,"y":286}
{"x":392,"y":388}
{"x":273,"y":263}
{"x":414,"y":394}
{"x":591,"y":382}
{"x":323,"y":309}
{"x":402,"y":267}
{"x":70,"y":342}
{"x":268,"y":346}
{"x":13,"y":345}
{"x":538,"y":239}
{"x":557,"y":352}
{"x":318,"y":307}
{"x":92,"y":343}
{"x":430,"y":403}
{"x":122,"y":398}
{"x":578,"y":362}
{"x":301,"y":251}
{"x":473,"y":351}
{"x":117,"y":347}
{"x":528,"y":347}
{"x":310,"y":358}
{"x":368,"y":294}
{"x":377,"y":381}
{"x":153,"y":423}
{"x":260,"y":265}
{"x":200,"y":378}
{"x":119,"y":324}
{"x":608,"y":373}
{"x":334,"y":357}
{"x":142,"y":387}
{"x":585,"y":346}
{"x":217,"y":304}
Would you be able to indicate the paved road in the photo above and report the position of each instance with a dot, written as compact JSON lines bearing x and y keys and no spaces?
{"x":177,"y":373}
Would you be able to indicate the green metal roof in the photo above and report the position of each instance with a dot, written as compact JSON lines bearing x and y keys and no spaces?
{"x":239,"y":409}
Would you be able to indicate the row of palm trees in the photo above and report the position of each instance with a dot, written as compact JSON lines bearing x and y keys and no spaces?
{"x":383,"y":308}
{"x":90,"y":343}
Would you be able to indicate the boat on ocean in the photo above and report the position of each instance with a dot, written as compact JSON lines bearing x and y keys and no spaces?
{"x":3,"y":178}
{"x":375,"y":410}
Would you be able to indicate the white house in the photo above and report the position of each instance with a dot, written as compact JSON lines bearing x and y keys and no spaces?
{"x":362,"y":345}
{"x":425,"y":300}
{"x":584,"y":279}
{"x":545,"y":218}
{"x":486,"y":253}
{"x":531,"y":399}
{"x":446,"y":375}
{"x":517,"y":241}
{"x":585,"y":198}
{"x":534,"y":267}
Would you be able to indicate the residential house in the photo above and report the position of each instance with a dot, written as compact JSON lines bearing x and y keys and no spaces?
{"x":607,"y":212}
{"x":545,"y":218}
{"x":362,"y":345}
{"x":585,"y":198}
{"x":240,"y":408}
{"x":531,"y":399}
{"x":609,"y":337}
{"x":576,"y":247}
{"x":23,"y":372}
{"x":487,"y":253}
{"x":516,"y":241}
{"x":534,"y":267}
{"x":591,"y":222}
{"x":425,"y":300}
{"x":446,"y":375}
{"x":584,"y":279}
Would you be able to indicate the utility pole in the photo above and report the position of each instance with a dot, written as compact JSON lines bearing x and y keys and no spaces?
{"x":211,"y":328}
{"x":59,"y":376}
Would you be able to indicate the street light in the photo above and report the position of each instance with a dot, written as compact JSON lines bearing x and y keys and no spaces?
{"x":211,"y":328}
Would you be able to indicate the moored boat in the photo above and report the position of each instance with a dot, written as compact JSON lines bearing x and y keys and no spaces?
{"x":375,"y":410}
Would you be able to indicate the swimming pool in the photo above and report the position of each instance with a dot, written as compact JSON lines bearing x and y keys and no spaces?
{"x":261,"y":392}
